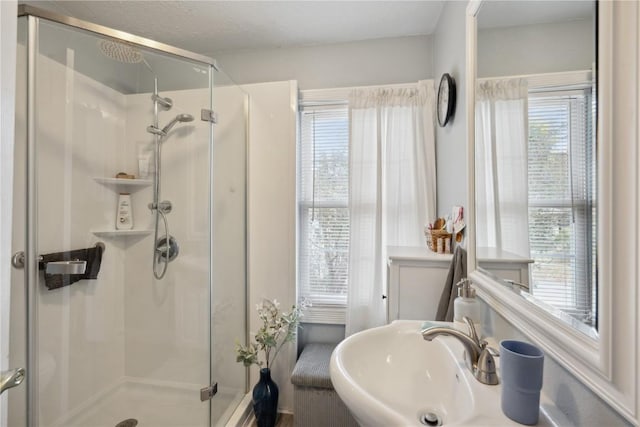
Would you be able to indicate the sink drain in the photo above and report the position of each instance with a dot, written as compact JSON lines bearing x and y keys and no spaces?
{"x":131,"y":422}
{"x":430,"y":419}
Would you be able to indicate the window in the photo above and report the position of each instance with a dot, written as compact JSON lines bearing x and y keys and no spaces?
{"x":323,"y":211}
{"x":562,"y":202}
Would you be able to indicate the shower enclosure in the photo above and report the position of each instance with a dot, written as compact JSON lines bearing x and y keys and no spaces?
{"x":142,"y":331}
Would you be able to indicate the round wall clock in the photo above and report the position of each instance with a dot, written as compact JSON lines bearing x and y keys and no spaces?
{"x":446,"y":99}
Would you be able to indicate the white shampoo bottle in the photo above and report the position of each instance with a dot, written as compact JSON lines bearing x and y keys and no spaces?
{"x":124,"y":219}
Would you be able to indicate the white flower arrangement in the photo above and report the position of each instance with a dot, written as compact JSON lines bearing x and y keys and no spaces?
{"x":278,"y":328}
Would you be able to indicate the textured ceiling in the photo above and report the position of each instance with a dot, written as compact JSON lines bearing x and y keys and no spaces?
{"x":210,"y":27}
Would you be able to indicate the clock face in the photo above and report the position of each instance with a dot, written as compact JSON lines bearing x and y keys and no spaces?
{"x":446,"y":99}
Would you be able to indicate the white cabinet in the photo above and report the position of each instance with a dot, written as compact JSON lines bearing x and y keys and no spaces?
{"x":505,"y":265}
{"x":415,"y":278}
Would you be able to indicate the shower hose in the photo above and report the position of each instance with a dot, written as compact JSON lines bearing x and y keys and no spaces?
{"x":157,"y":257}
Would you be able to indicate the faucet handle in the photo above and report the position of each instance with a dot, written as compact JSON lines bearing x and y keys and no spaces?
{"x":492,"y":351}
{"x":485,"y":370}
{"x":472,"y":330}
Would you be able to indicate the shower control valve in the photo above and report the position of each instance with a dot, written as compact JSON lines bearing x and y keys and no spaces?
{"x":165,"y":206}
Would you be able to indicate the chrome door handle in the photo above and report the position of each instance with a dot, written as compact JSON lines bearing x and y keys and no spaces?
{"x":10,"y":379}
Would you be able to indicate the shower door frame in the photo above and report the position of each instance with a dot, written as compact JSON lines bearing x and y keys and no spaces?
{"x":26,"y":10}
{"x":31,"y":269}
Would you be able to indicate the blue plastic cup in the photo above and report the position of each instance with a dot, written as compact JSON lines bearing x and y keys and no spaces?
{"x":521,"y":365}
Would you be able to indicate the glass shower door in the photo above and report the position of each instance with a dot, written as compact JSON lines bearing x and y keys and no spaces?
{"x":16,"y":414}
{"x":229,"y":246}
{"x":111,"y":343}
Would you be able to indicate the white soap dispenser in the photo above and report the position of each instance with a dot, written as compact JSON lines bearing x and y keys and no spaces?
{"x":466,"y":305}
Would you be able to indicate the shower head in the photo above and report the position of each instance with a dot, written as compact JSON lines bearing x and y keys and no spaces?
{"x":182,"y":118}
{"x":120,"y":52}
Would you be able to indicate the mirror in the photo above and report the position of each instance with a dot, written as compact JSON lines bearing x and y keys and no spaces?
{"x":535,"y":154}
{"x":602,"y":352}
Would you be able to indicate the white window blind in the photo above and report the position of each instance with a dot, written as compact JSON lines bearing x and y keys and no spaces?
{"x":562,"y":220}
{"x":323,"y":210}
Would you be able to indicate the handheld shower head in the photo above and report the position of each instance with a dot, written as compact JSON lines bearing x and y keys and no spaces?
{"x":182,"y":118}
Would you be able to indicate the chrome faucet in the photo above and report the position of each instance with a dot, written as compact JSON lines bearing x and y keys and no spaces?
{"x":479,"y":357}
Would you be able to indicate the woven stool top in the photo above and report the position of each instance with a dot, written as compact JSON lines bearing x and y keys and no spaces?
{"x":312,"y":368}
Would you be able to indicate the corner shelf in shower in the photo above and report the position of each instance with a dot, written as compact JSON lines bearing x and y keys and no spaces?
{"x":121,"y":233}
{"x":122,"y":183}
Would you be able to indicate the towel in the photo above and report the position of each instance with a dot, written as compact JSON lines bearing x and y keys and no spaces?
{"x":93,"y":257}
{"x":457,"y":272}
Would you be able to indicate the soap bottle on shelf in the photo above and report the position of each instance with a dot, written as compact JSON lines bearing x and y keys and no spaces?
{"x":467,"y":305}
{"x":124,"y":219}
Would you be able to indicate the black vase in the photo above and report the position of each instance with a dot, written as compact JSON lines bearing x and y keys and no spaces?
{"x":265,"y":400}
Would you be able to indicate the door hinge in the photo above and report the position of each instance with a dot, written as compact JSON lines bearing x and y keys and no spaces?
{"x":208,"y":392}
{"x":209,"y":116}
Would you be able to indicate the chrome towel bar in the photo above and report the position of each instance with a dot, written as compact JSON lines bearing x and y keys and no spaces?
{"x":17,"y":260}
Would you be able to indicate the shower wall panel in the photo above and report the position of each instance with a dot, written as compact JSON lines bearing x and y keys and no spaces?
{"x":166,"y":321}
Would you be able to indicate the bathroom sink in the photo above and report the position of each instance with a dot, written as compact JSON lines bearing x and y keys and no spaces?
{"x":391,"y":376}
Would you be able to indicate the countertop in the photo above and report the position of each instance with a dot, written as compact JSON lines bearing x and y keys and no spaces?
{"x":422,"y":253}
{"x":416,"y":253}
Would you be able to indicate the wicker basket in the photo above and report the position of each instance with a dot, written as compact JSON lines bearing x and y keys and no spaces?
{"x":432,"y":237}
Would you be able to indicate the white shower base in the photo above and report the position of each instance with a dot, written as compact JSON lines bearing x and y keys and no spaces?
{"x":153,"y":404}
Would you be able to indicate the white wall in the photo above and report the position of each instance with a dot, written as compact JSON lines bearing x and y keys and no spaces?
{"x":451,"y":145}
{"x":8,"y":12}
{"x":272,"y":209}
{"x":359,"y":63}
{"x":319,"y":333}
{"x":370,"y":62}
{"x":533,"y":49}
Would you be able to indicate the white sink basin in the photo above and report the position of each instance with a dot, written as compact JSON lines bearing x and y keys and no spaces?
{"x":391,"y":376}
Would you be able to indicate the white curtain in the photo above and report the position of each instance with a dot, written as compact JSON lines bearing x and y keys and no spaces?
{"x":501,"y":157}
{"x":392,"y":188}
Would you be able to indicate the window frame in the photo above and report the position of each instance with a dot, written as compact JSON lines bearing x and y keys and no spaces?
{"x":583,"y":272}
{"x":324,"y":310}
